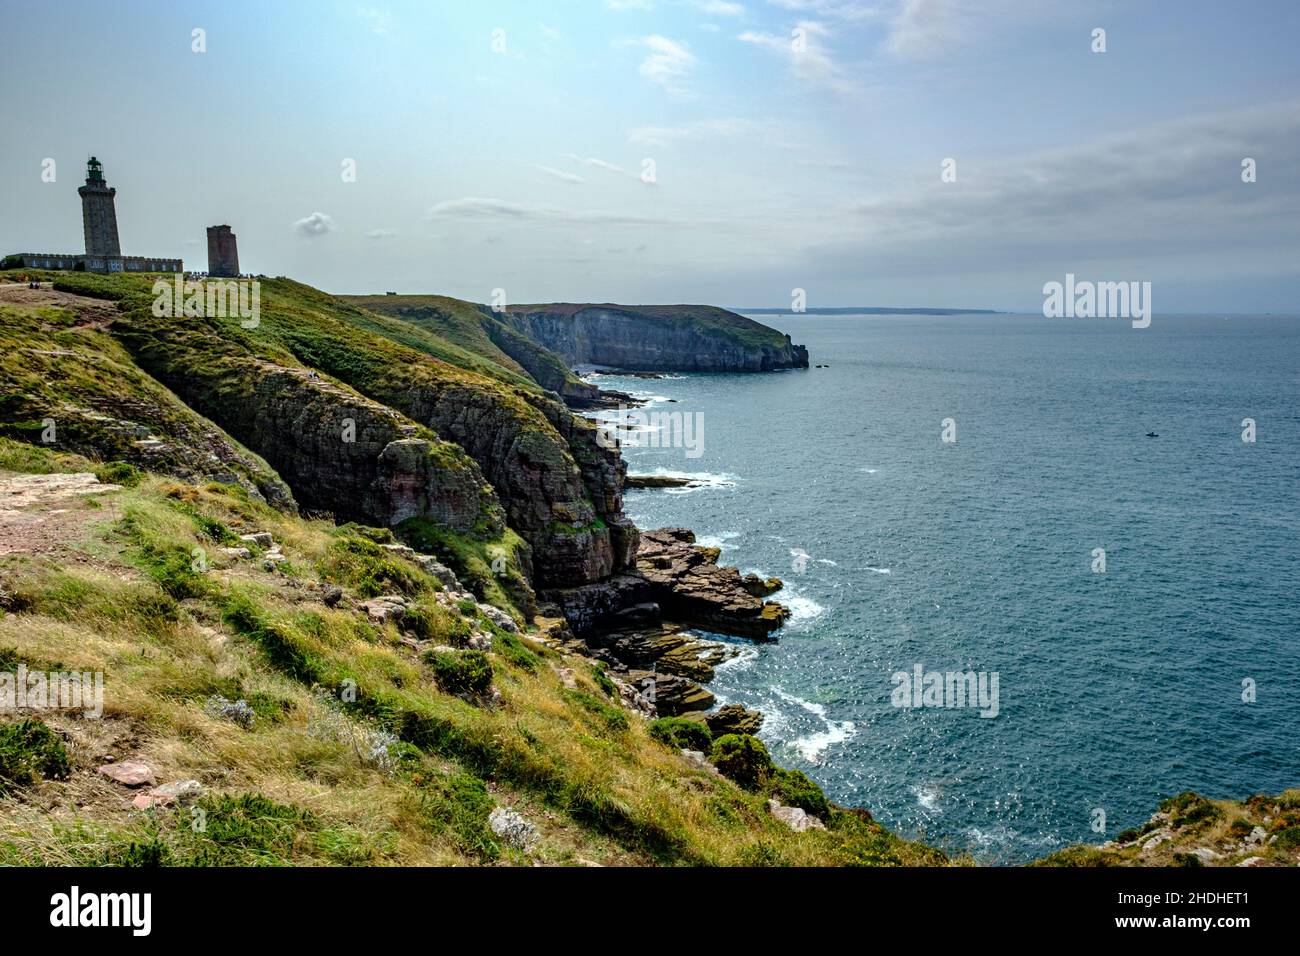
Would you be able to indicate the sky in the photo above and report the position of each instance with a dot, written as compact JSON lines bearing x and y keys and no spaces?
{"x":676,"y":151}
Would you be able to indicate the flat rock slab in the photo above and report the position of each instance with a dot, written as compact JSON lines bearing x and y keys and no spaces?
{"x":130,"y":773}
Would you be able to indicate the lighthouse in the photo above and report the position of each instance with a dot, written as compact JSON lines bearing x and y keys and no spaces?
{"x":98,"y":213}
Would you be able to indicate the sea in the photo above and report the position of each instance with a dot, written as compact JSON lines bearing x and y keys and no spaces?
{"x":1066,"y":510}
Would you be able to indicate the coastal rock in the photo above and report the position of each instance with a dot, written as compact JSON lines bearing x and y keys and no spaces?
{"x":657,"y":481}
{"x":671,"y":695}
{"x":795,"y":818}
{"x":700,"y":762}
{"x":1163,"y":835}
{"x":761,"y":587}
{"x":690,"y":587}
{"x":261,"y":539}
{"x":387,"y":607}
{"x":733,"y":719}
{"x":499,"y":617}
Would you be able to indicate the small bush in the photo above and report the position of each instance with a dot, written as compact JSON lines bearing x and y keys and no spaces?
{"x":794,"y":789}
{"x":1189,"y":809}
{"x":461,"y":672}
{"x":604,"y":683}
{"x":1288,"y":838}
{"x":744,"y":759}
{"x":118,"y":473}
{"x":29,"y":751}
{"x":433,"y":622}
{"x":512,"y":650}
{"x":680,"y":733}
{"x":460,"y":805}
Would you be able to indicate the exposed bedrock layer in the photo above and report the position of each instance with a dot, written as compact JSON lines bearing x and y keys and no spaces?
{"x":657,"y":338}
{"x":677,"y":581}
{"x":337,"y":450}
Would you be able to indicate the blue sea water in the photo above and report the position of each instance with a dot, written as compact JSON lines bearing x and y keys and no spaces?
{"x":1116,"y":689}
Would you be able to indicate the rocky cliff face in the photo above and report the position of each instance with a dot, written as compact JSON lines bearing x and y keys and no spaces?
{"x":658,"y":338}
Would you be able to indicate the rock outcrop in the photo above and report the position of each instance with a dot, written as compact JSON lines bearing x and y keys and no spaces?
{"x":691,"y":587}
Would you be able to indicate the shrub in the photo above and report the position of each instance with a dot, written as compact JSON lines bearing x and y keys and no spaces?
{"x":29,"y":750}
{"x":794,"y":789}
{"x":682,"y":734}
{"x":461,"y":672}
{"x":512,"y":650}
{"x":1189,"y":809}
{"x":118,"y":473}
{"x":1288,"y":838}
{"x":744,"y":759}
{"x":604,"y":682}
{"x":432,"y":622}
{"x":460,"y":805}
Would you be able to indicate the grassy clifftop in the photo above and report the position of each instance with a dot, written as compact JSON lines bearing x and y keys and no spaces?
{"x":359,"y":740}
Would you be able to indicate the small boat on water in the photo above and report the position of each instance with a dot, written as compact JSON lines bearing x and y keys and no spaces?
{"x":1152,"y":435}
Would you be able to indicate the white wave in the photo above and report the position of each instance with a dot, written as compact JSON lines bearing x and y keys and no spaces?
{"x":742,"y":660}
{"x":698,"y":480}
{"x":722,"y":540}
{"x":812,"y":746}
{"x":834,"y":564}
{"x":801,"y":608}
{"x":868,"y":471}
{"x":880,"y":570}
{"x":927,"y":798}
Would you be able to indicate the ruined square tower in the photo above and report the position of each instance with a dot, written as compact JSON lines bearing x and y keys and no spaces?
{"x":223,"y":257}
{"x":98,"y":214}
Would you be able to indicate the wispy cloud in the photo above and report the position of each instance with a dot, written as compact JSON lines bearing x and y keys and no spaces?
{"x":381,"y":233}
{"x":501,"y":210}
{"x":667,"y":63}
{"x":560,"y":174}
{"x":697,"y":129}
{"x":807,"y":56}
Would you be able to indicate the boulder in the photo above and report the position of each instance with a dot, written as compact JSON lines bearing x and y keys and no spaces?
{"x":129,"y":773}
{"x":512,"y":828}
{"x":261,"y":539}
{"x":178,"y":791}
{"x":733,"y":719}
{"x":796,"y":819}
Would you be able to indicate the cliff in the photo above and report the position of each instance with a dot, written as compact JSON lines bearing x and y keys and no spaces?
{"x":657,"y":338}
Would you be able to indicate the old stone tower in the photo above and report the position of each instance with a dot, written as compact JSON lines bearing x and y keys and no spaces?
{"x":98,"y":214}
{"x":223,"y":257}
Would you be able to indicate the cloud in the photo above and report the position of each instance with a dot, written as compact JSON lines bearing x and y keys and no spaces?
{"x":560,"y":174}
{"x":472,"y":208}
{"x":381,"y":233}
{"x":380,"y":20}
{"x":806,"y":55}
{"x":698,"y":129}
{"x":317,"y":224}
{"x":1164,"y":202}
{"x":667,"y":64}
{"x":595,"y":163}
{"x":718,"y":8}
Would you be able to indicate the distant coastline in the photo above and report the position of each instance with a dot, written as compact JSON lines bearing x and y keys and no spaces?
{"x":851,"y":310}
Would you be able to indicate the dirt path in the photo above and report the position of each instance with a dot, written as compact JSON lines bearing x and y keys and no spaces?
{"x":89,"y":311}
{"x":39,"y":514}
